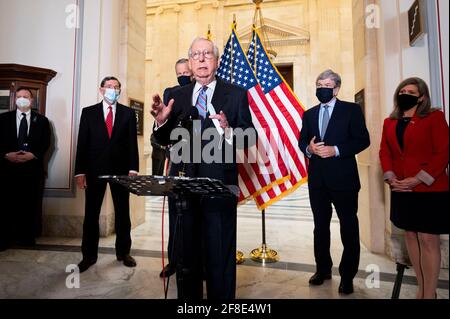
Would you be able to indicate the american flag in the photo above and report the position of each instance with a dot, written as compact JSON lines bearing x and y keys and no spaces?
{"x":287,"y":108}
{"x":276,"y":173}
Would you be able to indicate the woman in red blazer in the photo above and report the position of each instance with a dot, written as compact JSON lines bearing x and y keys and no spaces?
{"x":414,"y":159}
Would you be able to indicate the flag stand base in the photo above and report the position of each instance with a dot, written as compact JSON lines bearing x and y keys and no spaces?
{"x":264,"y":255}
{"x":239,"y":257}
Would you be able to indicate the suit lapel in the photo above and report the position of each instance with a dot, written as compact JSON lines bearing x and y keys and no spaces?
{"x":33,"y":124}
{"x":100,"y":119}
{"x":315,"y":122}
{"x":334,"y":118}
{"x":13,"y":123}
{"x":392,"y":135}
{"x":409,"y":132}
{"x":117,"y":121}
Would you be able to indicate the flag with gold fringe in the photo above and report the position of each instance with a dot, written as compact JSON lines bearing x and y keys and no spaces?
{"x":287,"y":108}
{"x":278,"y":171}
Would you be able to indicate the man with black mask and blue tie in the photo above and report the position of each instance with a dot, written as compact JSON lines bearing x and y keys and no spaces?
{"x":24,"y":140}
{"x":333,"y":132}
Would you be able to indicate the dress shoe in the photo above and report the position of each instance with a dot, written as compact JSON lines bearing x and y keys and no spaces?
{"x":26,"y":242}
{"x":346,"y":287}
{"x":127,"y":260}
{"x":85,"y":264}
{"x":4,"y":245}
{"x":167,"y":271}
{"x":318,"y":278}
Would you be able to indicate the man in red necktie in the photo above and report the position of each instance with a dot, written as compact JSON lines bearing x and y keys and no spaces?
{"x":107,"y":145}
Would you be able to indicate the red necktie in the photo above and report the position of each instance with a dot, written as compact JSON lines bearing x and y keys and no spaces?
{"x":109,"y":121}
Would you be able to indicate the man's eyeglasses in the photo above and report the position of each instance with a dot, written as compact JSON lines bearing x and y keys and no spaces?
{"x":206,"y":54}
{"x":327,"y":86}
{"x":116,"y":88}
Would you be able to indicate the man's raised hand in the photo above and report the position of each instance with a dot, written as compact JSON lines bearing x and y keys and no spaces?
{"x":160,"y":111}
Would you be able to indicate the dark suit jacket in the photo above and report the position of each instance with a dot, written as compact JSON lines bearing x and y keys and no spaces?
{"x":99,"y":155}
{"x":346,"y":130}
{"x":228,"y":98}
{"x":168,"y":92}
{"x":38,"y":138}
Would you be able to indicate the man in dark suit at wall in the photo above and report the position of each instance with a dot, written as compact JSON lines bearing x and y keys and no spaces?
{"x":24,"y":140}
{"x":333,"y":132}
{"x":107,"y":145}
{"x":221,"y":108}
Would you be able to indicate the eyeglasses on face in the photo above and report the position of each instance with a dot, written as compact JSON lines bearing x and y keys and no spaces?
{"x":327,"y":86}
{"x":206,"y":54}
{"x":117,"y":88}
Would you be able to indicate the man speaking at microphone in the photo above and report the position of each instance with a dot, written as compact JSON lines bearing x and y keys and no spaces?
{"x":222,"y":108}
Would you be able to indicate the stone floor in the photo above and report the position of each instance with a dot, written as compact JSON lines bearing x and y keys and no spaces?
{"x":46,"y":270}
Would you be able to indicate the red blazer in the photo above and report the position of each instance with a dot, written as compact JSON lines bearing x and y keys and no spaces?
{"x":425,"y":149}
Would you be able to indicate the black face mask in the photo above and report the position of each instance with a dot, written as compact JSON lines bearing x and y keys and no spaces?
{"x":324,"y":94}
{"x":406,"y":101}
{"x":184,"y":80}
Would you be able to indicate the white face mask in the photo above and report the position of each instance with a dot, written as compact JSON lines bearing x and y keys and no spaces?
{"x":23,"y":103}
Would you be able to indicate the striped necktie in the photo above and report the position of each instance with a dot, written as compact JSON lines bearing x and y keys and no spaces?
{"x":201,"y":102}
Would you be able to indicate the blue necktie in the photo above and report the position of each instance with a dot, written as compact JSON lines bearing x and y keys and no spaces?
{"x":325,"y":120}
{"x":201,"y":103}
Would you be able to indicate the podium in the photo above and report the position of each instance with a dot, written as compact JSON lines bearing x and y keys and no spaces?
{"x":179,"y":188}
{"x":153,"y":185}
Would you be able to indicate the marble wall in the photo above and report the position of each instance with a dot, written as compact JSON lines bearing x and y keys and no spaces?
{"x":172,"y":25}
{"x":383,"y":57}
{"x":363,"y":40}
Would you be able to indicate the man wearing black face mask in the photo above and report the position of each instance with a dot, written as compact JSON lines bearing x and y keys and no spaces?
{"x":333,"y":132}
{"x":159,"y":154}
{"x":184,"y":77}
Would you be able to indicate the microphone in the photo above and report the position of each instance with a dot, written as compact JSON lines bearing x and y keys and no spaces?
{"x":187,"y":117}
{"x":193,"y":114}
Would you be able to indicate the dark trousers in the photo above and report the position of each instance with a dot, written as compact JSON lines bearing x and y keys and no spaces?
{"x":346,"y":205}
{"x":95,"y":192}
{"x":21,"y":198}
{"x":209,"y":237}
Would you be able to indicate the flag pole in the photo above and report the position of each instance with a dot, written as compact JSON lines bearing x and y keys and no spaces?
{"x":240,"y":258}
{"x":208,"y":34}
{"x":264,"y":254}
